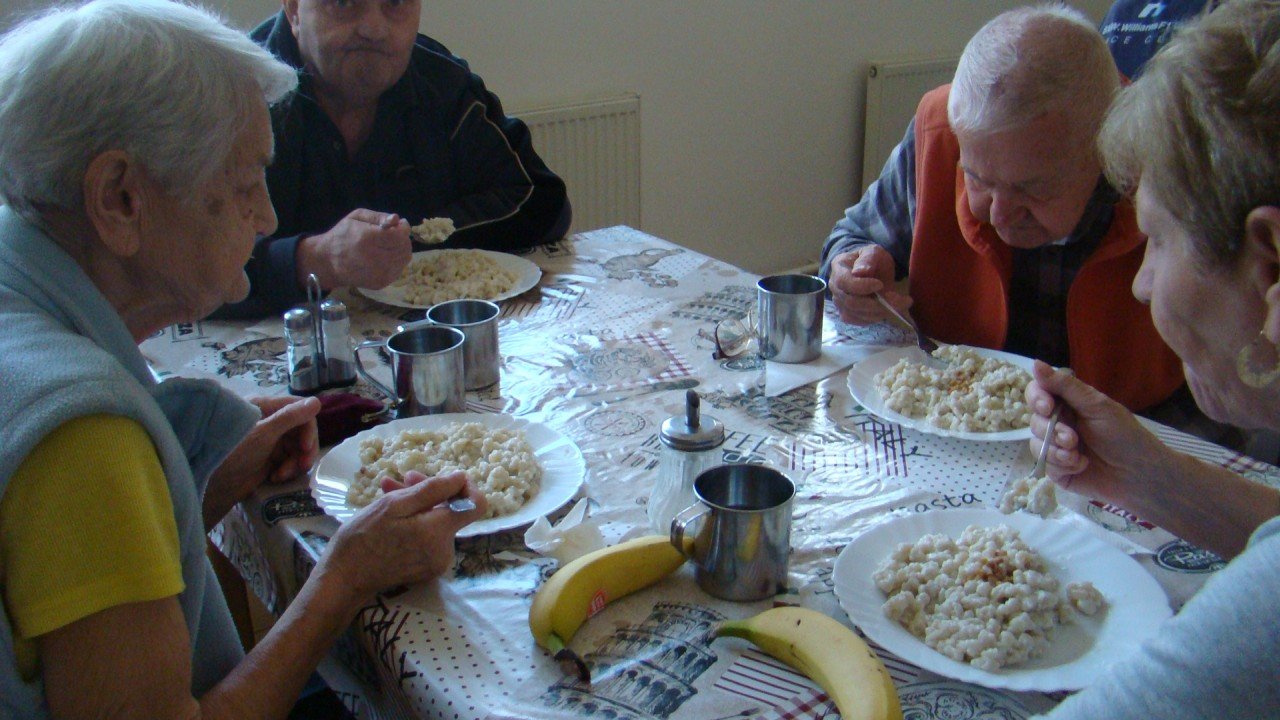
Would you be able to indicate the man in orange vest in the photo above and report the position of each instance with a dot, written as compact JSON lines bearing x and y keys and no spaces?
{"x":995,"y":208}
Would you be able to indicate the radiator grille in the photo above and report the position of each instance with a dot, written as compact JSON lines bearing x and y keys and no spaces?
{"x":894,"y":90}
{"x":595,"y":147}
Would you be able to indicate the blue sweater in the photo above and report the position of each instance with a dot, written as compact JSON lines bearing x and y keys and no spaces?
{"x":67,"y":354}
{"x":1219,"y":657}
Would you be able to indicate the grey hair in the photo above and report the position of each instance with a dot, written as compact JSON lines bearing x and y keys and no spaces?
{"x":1201,"y":127}
{"x":1029,"y":61}
{"x":168,"y":83}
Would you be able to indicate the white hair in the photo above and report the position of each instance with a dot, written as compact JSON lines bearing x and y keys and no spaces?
{"x":167,"y":83}
{"x":1029,"y":61}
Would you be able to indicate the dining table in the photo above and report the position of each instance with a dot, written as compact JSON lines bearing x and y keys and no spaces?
{"x":601,"y":350}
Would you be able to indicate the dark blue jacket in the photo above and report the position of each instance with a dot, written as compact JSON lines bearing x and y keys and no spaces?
{"x":440,"y":147}
{"x":1136,"y":29}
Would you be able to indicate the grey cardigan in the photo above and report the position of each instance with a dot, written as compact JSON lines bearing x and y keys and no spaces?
{"x":67,"y":354}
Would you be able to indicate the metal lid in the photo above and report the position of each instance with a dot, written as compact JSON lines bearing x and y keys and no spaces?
{"x":333,"y":309}
{"x":297,"y":319}
{"x":692,"y":431}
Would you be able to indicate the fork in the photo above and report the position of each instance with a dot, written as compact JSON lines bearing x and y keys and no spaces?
{"x":1025,"y":493}
{"x":1043,"y":457}
{"x":462,"y":504}
{"x":927,"y":346}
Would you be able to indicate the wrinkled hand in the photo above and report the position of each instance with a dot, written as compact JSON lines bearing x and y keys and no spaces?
{"x":1099,"y":447}
{"x":405,"y":536}
{"x":855,"y":276}
{"x":365,"y":249}
{"x":279,"y":447}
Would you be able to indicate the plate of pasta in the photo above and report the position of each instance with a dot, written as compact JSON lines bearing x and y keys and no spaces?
{"x":525,"y":469}
{"x":903,"y":551}
{"x":979,"y":396}
{"x":435,"y":276}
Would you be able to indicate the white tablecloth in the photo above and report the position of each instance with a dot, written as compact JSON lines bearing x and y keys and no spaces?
{"x":602,"y":351}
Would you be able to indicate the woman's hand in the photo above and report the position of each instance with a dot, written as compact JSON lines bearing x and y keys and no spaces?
{"x":288,"y":433}
{"x":281,"y":445}
{"x":404,"y":537}
{"x":1100,"y":449}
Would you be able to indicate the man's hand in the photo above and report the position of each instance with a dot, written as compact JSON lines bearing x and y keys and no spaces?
{"x":855,"y":277}
{"x":282,"y":445}
{"x":365,"y":249}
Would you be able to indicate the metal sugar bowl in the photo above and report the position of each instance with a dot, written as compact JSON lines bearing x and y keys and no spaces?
{"x":691,"y":443}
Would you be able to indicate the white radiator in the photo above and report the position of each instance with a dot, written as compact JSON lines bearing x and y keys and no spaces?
{"x":894,"y":90}
{"x":595,"y":148}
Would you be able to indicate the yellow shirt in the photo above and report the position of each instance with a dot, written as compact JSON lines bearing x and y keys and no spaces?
{"x":86,"y":524}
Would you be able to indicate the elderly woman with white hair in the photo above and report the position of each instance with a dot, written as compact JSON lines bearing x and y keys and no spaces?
{"x":1198,"y":137}
{"x":134,"y":135}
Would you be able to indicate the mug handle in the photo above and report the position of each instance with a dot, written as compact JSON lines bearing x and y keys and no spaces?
{"x":678,"y":525}
{"x":416,"y":324}
{"x":395,"y":400}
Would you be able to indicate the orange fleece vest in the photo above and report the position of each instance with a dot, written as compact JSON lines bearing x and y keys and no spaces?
{"x":959,"y":276}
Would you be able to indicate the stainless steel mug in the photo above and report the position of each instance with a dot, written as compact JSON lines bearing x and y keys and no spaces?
{"x":790,"y":317}
{"x":740,"y":549}
{"x":426,"y":370}
{"x":478,"y":321}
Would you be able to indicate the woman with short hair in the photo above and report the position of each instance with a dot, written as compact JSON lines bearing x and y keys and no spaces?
{"x":1198,"y":137}
{"x":134,"y":138}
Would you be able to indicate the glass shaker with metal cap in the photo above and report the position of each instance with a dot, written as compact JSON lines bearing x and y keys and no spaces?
{"x":300,"y":342}
{"x":691,"y":443}
{"x":340,"y":360}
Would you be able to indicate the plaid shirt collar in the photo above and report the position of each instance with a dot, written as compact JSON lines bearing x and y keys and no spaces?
{"x":1042,"y":277}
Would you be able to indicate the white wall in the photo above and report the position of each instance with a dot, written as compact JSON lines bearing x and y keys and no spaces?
{"x":751,"y":109}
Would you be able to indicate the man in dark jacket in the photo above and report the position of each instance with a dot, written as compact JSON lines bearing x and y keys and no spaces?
{"x":386,"y":129}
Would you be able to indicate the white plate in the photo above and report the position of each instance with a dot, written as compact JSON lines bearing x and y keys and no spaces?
{"x":862,"y":385}
{"x":562,"y":468}
{"x":1078,"y":654}
{"x":526,"y":272}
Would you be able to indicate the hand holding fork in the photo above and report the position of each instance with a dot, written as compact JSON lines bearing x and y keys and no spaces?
{"x":927,"y":346}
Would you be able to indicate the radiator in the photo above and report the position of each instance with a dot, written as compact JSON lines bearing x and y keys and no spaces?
{"x":595,"y":147}
{"x":894,"y":90}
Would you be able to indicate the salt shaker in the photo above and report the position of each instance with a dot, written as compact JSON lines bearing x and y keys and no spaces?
{"x":340,"y":360}
{"x":300,"y":343}
{"x":691,"y":443}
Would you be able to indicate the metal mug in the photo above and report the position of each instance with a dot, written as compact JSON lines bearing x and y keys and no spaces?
{"x":478,"y":321}
{"x":740,"y":550}
{"x":426,"y":370}
{"x":790,"y":317}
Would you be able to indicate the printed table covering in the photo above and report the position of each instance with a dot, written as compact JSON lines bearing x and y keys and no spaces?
{"x":602,"y":350}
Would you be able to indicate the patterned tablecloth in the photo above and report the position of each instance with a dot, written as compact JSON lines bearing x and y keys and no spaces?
{"x":602,"y":351}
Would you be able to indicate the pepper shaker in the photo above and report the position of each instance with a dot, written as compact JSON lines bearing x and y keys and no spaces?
{"x":691,"y":443}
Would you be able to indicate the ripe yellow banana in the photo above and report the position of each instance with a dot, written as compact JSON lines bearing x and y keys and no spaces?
{"x":583,"y":587}
{"x":829,"y":653}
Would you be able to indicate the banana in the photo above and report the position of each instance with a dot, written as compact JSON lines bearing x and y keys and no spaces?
{"x":829,"y":653}
{"x":583,"y":587}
